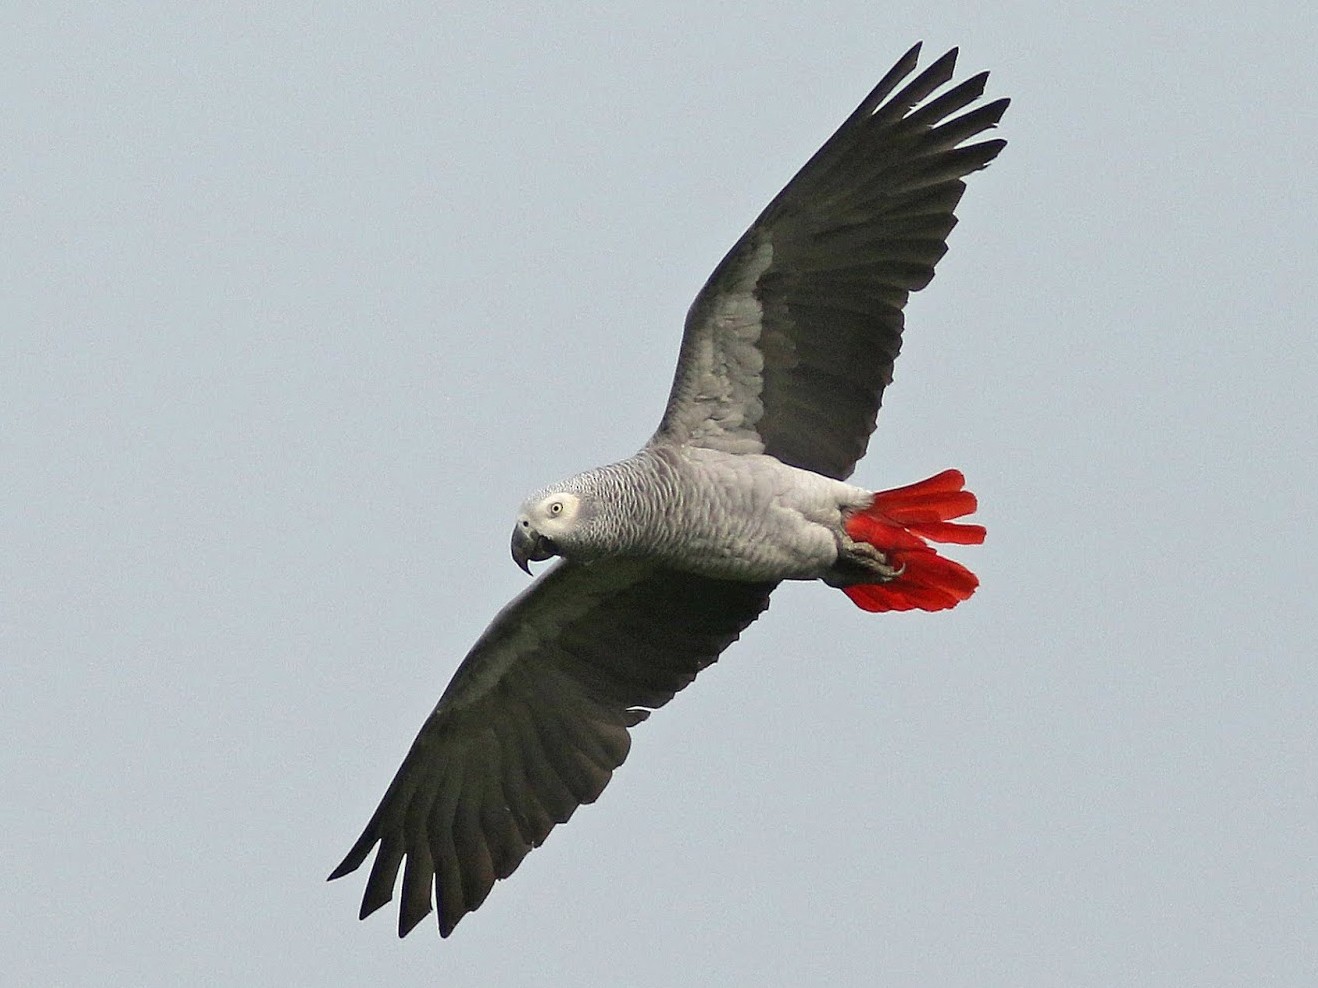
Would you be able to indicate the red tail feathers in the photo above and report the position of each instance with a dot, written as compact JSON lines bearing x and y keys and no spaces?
{"x":897,"y":523}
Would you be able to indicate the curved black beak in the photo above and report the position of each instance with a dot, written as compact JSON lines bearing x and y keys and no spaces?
{"x":529,"y":546}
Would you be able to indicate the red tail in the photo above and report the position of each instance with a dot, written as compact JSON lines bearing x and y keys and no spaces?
{"x":898,"y":522}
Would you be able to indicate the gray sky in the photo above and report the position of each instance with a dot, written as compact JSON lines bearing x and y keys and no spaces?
{"x":298,"y":305}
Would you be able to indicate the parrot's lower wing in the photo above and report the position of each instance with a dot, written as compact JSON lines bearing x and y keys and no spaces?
{"x":790,"y":344}
{"x":534,"y":723}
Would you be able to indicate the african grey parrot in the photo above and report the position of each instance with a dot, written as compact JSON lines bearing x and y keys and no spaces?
{"x":669,"y":555}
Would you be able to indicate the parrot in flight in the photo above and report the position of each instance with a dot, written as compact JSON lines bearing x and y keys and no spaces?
{"x":666,"y":557}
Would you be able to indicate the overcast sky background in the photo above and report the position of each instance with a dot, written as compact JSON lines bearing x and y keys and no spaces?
{"x":298,"y":303}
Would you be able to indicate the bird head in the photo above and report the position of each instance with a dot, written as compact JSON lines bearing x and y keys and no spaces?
{"x":545,"y":527}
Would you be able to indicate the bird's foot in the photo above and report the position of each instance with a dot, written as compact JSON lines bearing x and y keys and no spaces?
{"x":860,"y":562}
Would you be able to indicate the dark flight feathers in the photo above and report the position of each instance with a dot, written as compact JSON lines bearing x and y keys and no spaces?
{"x":534,"y":723}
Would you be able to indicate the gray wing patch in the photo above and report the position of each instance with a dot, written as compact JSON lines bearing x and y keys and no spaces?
{"x":790,"y":344}
{"x":534,"y":723}
{"x":717,"y":402}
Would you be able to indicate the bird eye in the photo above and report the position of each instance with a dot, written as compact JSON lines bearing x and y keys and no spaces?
{"x":556,"y":508}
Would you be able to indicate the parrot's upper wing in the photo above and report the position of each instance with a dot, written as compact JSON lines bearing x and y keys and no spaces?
{"x":535,"y":721}
{"x":790,"y":344}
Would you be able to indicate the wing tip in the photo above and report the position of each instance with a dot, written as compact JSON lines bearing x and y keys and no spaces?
{"x":373,"y":900}
{"x":997,"y":108}
{"x":347,"y":866}
{"x":943,"y":66}
{"x":987,"y":151}
{"x":407,"y":921}
{"x":358,"y":853}
{"x":903,"y":67}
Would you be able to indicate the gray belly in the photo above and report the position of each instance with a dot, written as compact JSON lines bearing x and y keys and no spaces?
{"x":748,"y":518}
